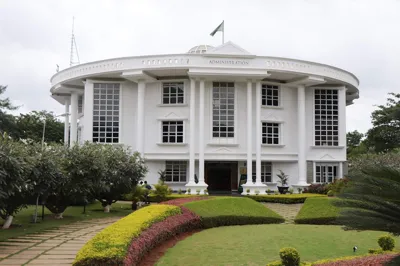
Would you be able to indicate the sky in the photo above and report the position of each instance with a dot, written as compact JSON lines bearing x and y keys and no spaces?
{"x":360,"y":36}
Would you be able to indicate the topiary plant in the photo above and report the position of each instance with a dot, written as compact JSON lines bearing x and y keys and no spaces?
{"x":289,"y":257}
{"x":198,"y":191}
{"x":257,"y":192}
{"x":386,"y":242}
{"x":330,"y":193}
{"x":180,"y":191}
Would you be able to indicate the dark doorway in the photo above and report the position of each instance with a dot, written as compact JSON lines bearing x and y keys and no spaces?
{"x":221,"y":176}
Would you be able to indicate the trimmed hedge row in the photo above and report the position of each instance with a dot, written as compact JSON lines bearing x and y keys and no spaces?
{"x":318,"y":211}
{"x":109,"y":247}
{"x":224,"y":211}
{"x":160,"y":232}
{"x":285,"y":198}
{"x":154,"y":199}
{"x":182,"y":201}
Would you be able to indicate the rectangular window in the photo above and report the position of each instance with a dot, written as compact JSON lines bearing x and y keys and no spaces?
{"x":266,"y":172}
{"x":326,"y":113}
{"x":173,"y":93}
{"x":175,"y":171}
{"x":270,"y":133}
{"x":106,"y":112}
{"x":172,"y":131}
{"x":269,"y":95}
{"x":223,"y":110}
{"x":80,"y":104}
{"x":325,"y":173}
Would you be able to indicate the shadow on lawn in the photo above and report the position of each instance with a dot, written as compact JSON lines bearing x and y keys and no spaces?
{"x":394,"y":262}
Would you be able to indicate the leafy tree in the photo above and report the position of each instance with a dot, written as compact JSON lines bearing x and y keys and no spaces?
{"x":354,"y":138}
{"x":7,"y":121}
{"x":385,"y":134}
{"x":14,"y":170}
{"x":122,"y":172}
{"x":5,"y":104}
{"x":372,"y":197}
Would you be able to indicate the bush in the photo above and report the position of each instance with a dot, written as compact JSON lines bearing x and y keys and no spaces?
{"x":109,"y":247}
{"x":318,"y":211}
{"x":338,"y":185}
{"x":330,"y":193}
{"x":285,"y":198}
{"x":386,"y":242}
{"x":317,"y":189}
{"x":375,"y":251}
{"x":289,"y":257}
{"x":161,"y":191}
{"x":160,"y":232}
{"x":224,"y":211}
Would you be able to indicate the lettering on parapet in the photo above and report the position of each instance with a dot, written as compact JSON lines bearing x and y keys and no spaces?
{"x":229,"y":62}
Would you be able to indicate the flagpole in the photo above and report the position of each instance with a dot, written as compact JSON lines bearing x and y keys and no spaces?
{"x":223,"y":32}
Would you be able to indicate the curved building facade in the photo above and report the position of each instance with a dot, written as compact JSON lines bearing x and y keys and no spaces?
{"x":214,"y":115}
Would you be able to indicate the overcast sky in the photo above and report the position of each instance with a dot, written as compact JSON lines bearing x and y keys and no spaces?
{"x":360,"y":36}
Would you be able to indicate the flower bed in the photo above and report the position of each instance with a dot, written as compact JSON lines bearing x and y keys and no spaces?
{"x":358,"y":260}
{"x":285,"y":198}
{"x":160,"y":232}
{"x":224,"y":211}
{"x":109,"y":247}
{"x":317,"y":211}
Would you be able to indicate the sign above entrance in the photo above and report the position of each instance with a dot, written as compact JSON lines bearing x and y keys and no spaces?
{"x":228,"y":62}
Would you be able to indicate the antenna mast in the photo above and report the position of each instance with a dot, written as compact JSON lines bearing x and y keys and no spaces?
{"x":74,"y":47}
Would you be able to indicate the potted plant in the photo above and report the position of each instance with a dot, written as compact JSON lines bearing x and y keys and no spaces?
{"x":283,"y":179}
{"x":198,"y":191}
{"x":248,"y":191}
{"x":257,"y":192}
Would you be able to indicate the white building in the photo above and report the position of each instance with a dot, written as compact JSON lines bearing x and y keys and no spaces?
{"x":211,"y":112}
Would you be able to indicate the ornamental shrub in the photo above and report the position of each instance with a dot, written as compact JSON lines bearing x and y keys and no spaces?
{"x":386,"y":242}
{"x":330,"y":193}
{"x":317,"y":188}
{"x":289,"y":257}
{"x":161,"y":191}
{"x":375,"y":251}
{"x":284,"y":198}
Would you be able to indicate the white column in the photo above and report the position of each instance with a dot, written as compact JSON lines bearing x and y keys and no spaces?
{"x":87,"y":134}
{"x":301,"y":134}
{"x":340,"y":170}
{"x":140,"y":118}
{"x":249,"y":133}
{"x":192,"y":124}
{"x":66,"y":122}
{"x":201,"y":135}
{"x":258,"y":132}
{"x":74,"y":118}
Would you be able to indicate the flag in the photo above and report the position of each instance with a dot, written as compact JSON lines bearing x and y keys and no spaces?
{"x":219,"y":28}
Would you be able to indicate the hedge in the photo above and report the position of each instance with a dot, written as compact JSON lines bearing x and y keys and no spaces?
{"x":153,"y":198}
{"x":285,"y":198}
{"x":182,"y":201}
{"x":224,"y":211}
{"x":318,"y":211}
{"x":109,"y":247}
{"x":160,"y":232}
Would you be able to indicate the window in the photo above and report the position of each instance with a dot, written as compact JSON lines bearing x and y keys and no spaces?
{"x":172,"y":131}
{"x":269,"y":95}
{"x":223,"y":109}
{"x":325,"y":173}
{"x":270,"y":133}
{"x":106,"y":112}
{"x":80,"y":104}
{"x":175,"y":171}
{"x":266,"y":172}
{"x":326,"y":118}
{"x":173,"y":93}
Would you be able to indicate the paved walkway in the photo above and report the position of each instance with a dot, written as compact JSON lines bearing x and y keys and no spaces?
{"x":288,"y":211}
{"x":51,"y":247}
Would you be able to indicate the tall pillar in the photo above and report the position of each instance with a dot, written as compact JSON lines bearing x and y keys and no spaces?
{"x":140,"y":118}
{"x":74,"y":119}
{"x":201,"y":135}
{"x":192,"y":131}
{"x":249,"y":133}
{"x":301,"y":135}
{"x":66,"y":122}
{"x":340,"y":170}
{"x":258,"y":132}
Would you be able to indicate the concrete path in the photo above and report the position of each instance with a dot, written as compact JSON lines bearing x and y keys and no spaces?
{"x":287,"y":211}
{"x":51,"y":247}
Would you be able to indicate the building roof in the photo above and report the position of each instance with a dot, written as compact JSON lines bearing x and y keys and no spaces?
{"x":200,"y":49}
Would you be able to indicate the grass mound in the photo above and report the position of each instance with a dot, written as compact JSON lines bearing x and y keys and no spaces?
{"x":285,"y":198}
{"x":318,"y":211}
{"x":223,"y":211}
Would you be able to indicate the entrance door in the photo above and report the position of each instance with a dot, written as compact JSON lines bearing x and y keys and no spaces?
{"x":219,"y":179}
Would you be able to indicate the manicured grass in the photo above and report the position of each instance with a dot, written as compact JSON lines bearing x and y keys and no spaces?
{"x":232,"y":211}
{"x":318,"y":211}
{"x":285,"y":198}
{"x":22,"y":222}
{"x":260,"y":244}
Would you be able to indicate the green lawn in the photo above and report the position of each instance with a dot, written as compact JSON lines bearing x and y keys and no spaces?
{"x":232,"y":211}
{"x":285,"y":198}
{"x":317,"y":211}
{"x":22,"y":221}
{"x":260,"y":244}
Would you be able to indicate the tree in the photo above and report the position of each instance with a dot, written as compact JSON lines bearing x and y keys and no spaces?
{"x":14,"y":170}
{"x":5,"y":104}
{"x":371,"y":201}
{"x":384,"y":136}
{"x":7,"y":121}
{"x":122,"y":172}
{"x":354,"y":138}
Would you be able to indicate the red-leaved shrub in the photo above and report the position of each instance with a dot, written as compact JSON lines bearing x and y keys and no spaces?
{"x":181,"y":201}
{"x":160,"y":232}
{"x":378,"y":260}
